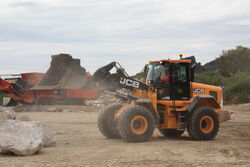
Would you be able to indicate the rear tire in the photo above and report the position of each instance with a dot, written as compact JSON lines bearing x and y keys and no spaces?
{"x":171,"y":132}
{"x":136,"y":124}
{"x":203,"y":124}
{"x":106,"y":122}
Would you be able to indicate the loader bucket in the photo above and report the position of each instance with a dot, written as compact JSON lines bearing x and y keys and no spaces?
{"x":64,"y":73}
{"x":103,"y":72}
{"x":104,"y":79}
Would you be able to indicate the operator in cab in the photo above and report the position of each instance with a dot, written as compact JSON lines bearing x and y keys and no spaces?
{"x":158,"y":76}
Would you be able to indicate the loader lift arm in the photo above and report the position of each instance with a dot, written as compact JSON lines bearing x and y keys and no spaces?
{"x":109,"y":82}
{"x":106,"y":80}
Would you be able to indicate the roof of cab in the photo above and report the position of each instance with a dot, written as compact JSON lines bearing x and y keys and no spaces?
{"x":170,"y":61}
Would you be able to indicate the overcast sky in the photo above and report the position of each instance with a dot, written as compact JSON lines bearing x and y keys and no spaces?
{"x":129,"y":31}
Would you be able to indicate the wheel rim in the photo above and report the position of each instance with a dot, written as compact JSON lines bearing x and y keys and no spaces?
{"x":206,"y":124}
{"x":139,"y":125}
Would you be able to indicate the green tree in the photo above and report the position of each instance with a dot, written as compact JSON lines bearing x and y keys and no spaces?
{"x":233,"y":61}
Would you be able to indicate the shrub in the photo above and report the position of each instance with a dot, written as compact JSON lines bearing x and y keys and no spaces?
{"x":238,"y":90}
{"x":210,"y":77}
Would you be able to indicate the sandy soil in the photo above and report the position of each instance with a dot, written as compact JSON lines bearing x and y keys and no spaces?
{"x":79,"y":143}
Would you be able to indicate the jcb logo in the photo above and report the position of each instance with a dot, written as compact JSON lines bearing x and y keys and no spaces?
{"x":199,"y":90}
{"x":129,"y":82}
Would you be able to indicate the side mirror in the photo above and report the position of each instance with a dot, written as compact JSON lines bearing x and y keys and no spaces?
{"x":145,"y":68}
{"x":145,"y":71}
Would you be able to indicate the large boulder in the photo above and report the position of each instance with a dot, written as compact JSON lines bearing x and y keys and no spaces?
{"x":20,"y":138}
{"x":23,"y":138}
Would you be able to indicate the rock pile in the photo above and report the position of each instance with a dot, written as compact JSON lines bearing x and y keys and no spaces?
{"x":21,"y":136}
{"x":103,"y":100}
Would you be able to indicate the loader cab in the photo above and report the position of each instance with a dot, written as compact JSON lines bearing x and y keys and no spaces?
{"x":170,"y":78}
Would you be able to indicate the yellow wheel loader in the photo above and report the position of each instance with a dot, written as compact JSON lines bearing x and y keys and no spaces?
{"x":169,"y":100}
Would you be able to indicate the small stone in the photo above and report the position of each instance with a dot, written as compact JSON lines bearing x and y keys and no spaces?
{"x":47,"y":138}
{"x":7,"y":114}
{"x":67,"y":111}
{"x":67,"y":143}
{"x":54,"y":109}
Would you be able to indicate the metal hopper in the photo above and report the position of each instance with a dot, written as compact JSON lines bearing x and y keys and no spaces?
{"x":65,"y":72}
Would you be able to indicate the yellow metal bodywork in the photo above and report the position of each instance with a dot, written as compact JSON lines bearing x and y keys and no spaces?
{"x":166,"y":107}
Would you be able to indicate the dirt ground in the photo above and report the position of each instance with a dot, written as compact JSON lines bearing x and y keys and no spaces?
{"x":79,"y":143}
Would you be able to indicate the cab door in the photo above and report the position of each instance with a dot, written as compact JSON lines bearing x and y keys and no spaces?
{"x":179,"y":81}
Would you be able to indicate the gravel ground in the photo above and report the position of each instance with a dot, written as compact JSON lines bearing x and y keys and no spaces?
{"x":79,"y":143}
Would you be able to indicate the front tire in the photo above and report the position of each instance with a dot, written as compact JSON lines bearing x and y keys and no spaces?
{"x":203,"y":124}
{"x":107,"y":123}
{"x":136,"y":124}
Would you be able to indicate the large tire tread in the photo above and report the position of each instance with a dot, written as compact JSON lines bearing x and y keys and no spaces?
{"x":106,"y":123}
{"x":125,"y":120}
{"x":194,"y":124}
